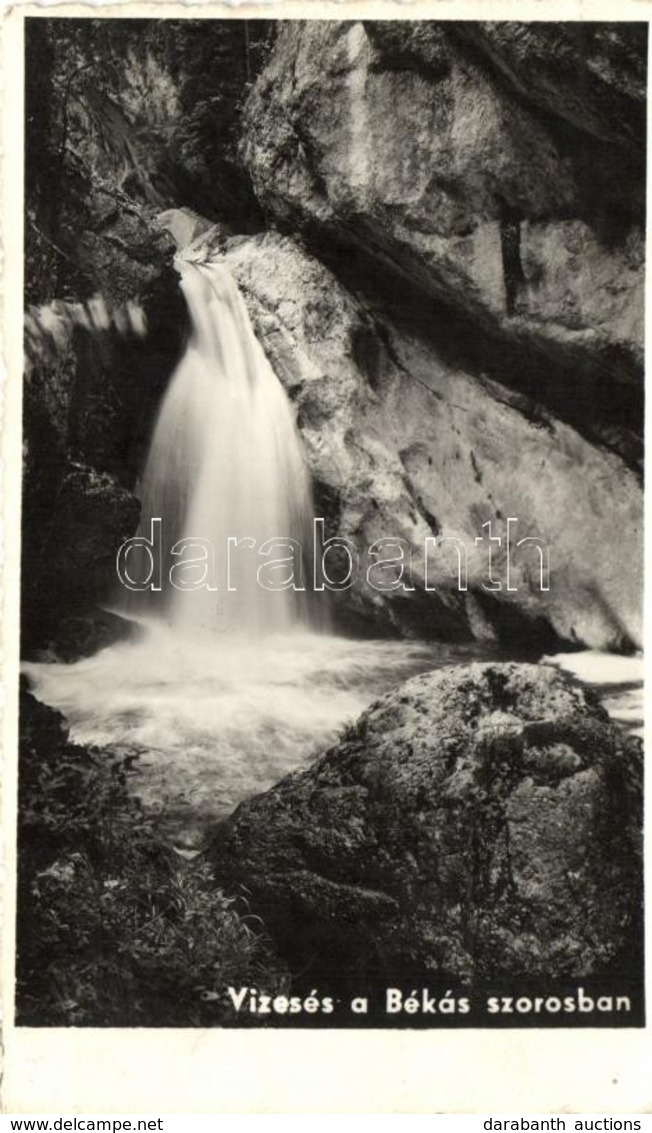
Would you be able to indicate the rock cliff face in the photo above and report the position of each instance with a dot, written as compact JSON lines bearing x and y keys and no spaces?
{"x":498,"y":168}
{"x":481,"y":186}
{"x":478,"y":822}
{"x":407,"y":442}
{"x":456,"y":312}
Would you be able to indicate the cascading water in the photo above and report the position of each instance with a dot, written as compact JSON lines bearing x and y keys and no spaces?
{"x":215,"y":716}
{"x":225,"y":474}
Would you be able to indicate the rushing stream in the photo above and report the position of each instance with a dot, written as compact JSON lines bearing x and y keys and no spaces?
{"x":215,"y":720}
{"x":226,"y":690}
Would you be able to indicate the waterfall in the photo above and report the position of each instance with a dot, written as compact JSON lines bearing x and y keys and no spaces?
{"x":216,"y":717}
{"x":225,"y":463}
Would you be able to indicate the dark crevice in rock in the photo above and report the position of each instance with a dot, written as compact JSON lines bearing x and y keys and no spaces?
{"x":477,"y":475}
{"x":510,"y":242}
{"x":368,"y":350}
{"x":427,"y":615}
{"x":426,"y":514}
{"x":515,"y":628}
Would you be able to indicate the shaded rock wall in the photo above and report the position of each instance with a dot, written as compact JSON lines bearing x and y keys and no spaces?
{"x":478,"y":822}
{"x":90,"y":397}
{"x":125,"y":117}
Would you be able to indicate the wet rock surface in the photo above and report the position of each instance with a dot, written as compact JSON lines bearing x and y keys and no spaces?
{"x":408,"y":439}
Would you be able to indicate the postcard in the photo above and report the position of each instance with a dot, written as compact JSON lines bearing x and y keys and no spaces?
{"x":324,"y":455}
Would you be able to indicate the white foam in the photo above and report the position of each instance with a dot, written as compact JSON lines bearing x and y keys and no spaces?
{"x":618,"y":679}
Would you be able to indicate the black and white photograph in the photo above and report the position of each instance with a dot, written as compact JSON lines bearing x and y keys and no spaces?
{"x":331,"y":541}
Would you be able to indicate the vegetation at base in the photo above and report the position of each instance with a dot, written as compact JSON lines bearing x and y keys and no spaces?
{"x":114,"y":928}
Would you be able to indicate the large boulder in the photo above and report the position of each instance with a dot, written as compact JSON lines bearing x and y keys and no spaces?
{"x":497,"y":168}
{"x":481,"y":821}
{"x":407,"y":441}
